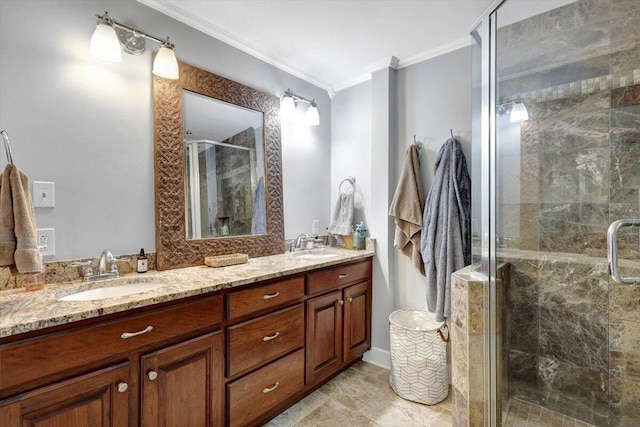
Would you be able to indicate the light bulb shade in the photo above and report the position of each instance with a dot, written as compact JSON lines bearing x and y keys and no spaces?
{"x":166,"y":65}
{"x":518,"y":113}
{"x":104,"y":43}
{"x":312,"y":117}
{"x":287,"y":107}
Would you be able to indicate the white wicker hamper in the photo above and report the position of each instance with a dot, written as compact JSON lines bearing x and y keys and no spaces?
{"x":418,"y":357}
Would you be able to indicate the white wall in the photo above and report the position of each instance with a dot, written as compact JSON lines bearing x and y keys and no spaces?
{"x":432,"y":97}
{"x":88,"y":125}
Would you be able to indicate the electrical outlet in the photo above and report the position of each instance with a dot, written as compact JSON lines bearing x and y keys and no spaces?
{"x":45,"y":238}
{"x":315,"y":227}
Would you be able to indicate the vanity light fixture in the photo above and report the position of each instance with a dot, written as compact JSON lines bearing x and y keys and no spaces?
{"x":289,"y":104}
{"x":110,"y":38}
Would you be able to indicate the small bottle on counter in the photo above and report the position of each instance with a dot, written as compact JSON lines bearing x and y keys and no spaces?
{"x":142,"y":262}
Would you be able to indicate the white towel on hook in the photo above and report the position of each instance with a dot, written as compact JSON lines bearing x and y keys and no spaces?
{"x":342,"y":215}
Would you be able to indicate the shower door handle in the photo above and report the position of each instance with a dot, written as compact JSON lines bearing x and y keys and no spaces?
{"x":612,"y":250}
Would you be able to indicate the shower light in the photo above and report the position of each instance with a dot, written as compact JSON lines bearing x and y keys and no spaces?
{"x":518,"y":113}
{"x":110,"y":38}
{"x":290,"y":103}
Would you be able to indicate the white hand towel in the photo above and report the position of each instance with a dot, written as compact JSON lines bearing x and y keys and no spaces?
{"x":342,"y":215}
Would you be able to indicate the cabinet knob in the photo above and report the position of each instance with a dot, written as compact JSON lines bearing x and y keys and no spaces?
{"x":122,"y":387}
{"x":152,"y":375}
{"x":341,"y":302}
{"x":350,"y":299}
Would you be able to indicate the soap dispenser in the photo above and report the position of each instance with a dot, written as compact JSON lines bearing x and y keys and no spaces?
{"x":142,"y":262}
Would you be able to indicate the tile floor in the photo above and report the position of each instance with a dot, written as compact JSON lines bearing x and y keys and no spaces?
{"x":361,"y":396}
{"x":525,"y":414}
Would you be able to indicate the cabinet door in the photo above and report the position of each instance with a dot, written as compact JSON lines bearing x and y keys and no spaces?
{"x":324,"y":336}
{"x":357,"y":320}
{"x":99,"y":399}
{"x":182,"y":385}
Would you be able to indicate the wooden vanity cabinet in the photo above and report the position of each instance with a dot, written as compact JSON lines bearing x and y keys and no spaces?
{"x":338,"y":322}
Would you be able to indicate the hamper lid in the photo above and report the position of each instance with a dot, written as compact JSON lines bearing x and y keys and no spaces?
{"x":415,"y":320}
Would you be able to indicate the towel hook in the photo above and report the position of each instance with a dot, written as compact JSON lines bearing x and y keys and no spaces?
{"x":7,"y":146}
{"x":451,"y":132}
{"x":416,"y":143}
{"x":351,"y":180}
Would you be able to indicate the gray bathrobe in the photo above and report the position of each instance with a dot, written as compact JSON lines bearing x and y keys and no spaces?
{"x":446,"y":236}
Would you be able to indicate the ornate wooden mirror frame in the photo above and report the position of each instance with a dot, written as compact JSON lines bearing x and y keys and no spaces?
{"x":172,"y":247}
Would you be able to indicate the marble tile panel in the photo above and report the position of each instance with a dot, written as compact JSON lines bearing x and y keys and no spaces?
{"x":560,"y":217}
{"x":559,"y":179}
{"x":575,"y":338}
{"x":577,"y":132}
{"x":476,"y":368}
{"x":625,"y":96}
{"x":579,"y":288}
{"x":579,"y":392}
{"x":518,"y":61}
{"x":592,"y":166}
{"x":523,"y":327}
{"x":510,"y":87}
{"x":573,"y":16}
{"x":625,"y":60}
{"x":624,"y":299}
{"x":333,"y":414}
{"x":619,"y":8}
{"x":459,"y":302}
{"x":476,"y":314}
{"x":625,"y":173}
{"x":519,"y":32}
{"x":590,"y":244}
{"x":530,"y":137}
{"x":628,"y":237}
{"x":624,"y":348}
{"x":460,"y":412}
{"x":575,"y":105}
{"x":460,"y":361}
{"x":529,"y":226}
{"x":625,"y":402}
{"x":529,"y":178}
{"x":625,"y":30}
{"x":523,"y":366}
{"x":625,"y":125}
{"x":576,"y":71}
{"x":523,"y":287}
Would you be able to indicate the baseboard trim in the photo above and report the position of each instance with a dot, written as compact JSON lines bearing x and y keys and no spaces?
{"x":379,"y":357}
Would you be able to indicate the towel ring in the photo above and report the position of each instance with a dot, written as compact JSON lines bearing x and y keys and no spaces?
{"x":7,"y":146}
{"x":351,"y":180}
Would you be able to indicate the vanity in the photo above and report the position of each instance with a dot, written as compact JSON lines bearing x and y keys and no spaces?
{"x":233,"y":346}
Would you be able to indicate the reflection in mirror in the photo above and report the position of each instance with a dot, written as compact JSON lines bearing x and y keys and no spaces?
{"x":224,"y":169}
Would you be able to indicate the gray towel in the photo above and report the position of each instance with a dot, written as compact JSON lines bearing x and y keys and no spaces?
{"x":342,"y":215}
{"x":406,"y":208}
{"x":446,"y":241}
{"x":259,"y":215}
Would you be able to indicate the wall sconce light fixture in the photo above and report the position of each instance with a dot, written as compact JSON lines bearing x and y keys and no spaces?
{"x":110,"y":38}
{"x":289,"y":104}
{"x":517,"y":110}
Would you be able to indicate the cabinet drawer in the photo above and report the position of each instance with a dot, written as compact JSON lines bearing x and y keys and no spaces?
{"x":259,"y":340}
{"x":334,"y":277}
{"x":263,"y":297}
{"x":51,"y":355}
{"x":253,"y":395}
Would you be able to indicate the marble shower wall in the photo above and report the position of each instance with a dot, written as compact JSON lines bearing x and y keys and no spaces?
{"x":574,"y":334}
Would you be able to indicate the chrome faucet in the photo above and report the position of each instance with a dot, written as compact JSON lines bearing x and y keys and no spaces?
{"x":301,"y":241}
{"x":106,"y":256}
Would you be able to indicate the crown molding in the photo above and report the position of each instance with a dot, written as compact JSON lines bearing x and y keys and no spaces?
{"x":437,"y":51}
{"x":218,"y":33}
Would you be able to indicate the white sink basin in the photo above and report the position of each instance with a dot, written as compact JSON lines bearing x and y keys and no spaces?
{"x":317,"y":256}
{"x":111,"y":292}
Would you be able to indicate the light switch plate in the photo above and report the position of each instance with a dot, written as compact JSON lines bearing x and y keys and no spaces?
{"x":46,"y":241}
{"x":44,"y":195}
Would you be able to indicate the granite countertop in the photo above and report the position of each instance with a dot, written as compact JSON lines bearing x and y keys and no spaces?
{"x":22,"y":311}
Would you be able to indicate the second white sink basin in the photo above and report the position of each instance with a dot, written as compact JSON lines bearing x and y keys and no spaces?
{"x":317,"y":256}
{"x":111,"y":292}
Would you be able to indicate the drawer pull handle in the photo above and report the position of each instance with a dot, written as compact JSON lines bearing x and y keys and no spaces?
{"x":270,"y":389}
{"x":266,"y":297}
{"x":122,"y":387}
{"x":271,"y":337}
{"x":152,"y":375}
{"x":343,"y":275}
{"x":126,"y":335}
{"x":350,"y":299}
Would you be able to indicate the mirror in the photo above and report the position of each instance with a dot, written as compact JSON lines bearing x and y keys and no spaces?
{"x":224,"y":169}
{"x":218,"y":169}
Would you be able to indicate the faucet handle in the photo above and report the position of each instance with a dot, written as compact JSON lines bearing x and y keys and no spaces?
{"x":122,"y":258}
{"x":87,"y":271}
